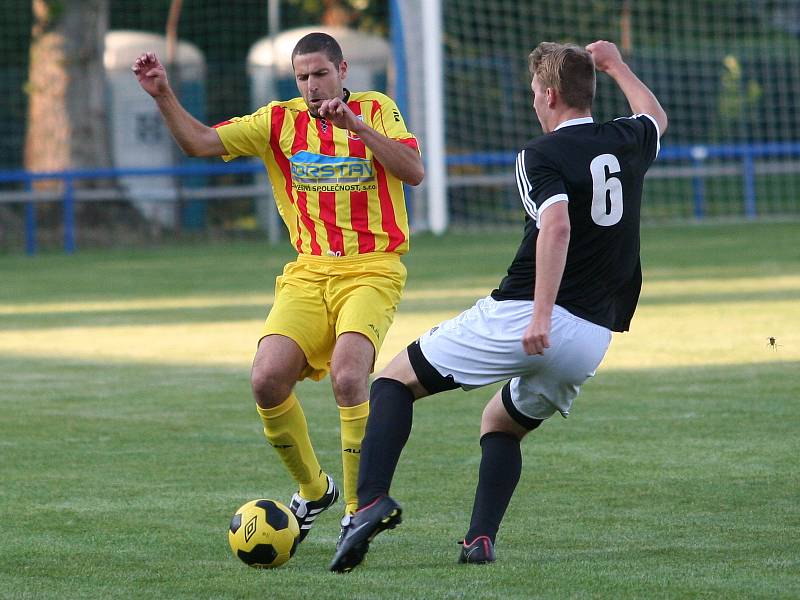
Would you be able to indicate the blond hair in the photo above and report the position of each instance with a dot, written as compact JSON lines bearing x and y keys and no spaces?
{"x":567,"y":68}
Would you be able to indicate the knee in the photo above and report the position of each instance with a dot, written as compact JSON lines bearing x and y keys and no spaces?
{"x":496,"y":420}
{"x":349,"y":386}
{"x":490,"y":421}
{"x":269,"y":388}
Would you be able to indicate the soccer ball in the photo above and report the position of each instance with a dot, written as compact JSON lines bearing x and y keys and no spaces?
{"x":263,"y":534}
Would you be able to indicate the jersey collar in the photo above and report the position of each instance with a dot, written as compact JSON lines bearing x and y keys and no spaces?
{"x":578,"y":121}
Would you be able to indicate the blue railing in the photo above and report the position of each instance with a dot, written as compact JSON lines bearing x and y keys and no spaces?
{"x":694,"y":155}
{"x":70,"y":176}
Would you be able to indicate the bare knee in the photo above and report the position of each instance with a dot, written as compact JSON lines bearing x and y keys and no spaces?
{"x":495,"y":418}
{"x":350,"y":386}
{"x":278,"y":364}
{"x":400,"y":369}
{"x":270,"y":387}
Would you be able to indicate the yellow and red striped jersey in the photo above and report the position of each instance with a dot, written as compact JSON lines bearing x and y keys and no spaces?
{"x":335,"y":198}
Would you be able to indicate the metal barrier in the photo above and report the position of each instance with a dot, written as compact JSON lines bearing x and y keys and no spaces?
{"x":695,"y":157}
{"x":70,"y":195}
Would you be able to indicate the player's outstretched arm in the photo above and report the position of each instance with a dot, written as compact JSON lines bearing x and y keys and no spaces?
{"x":402,"y":161}
{"x":194,"y":138}
{"x":608,"y":60}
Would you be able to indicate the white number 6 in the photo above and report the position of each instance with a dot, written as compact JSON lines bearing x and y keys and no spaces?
{"x":606,"y":192}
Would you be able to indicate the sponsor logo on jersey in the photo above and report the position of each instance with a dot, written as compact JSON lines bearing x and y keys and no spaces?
{"x":318,"y":172}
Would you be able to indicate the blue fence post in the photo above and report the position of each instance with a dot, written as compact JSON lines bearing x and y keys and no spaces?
{"x":399,"y":54}
{"x":69,"y":215}
{"x":749,"y":185}
{"x":30,"y":222}
{"x":397,"y":39}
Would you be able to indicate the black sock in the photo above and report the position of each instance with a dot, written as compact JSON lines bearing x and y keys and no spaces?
{"x":501,"y":465}
{"x":391,"y":408}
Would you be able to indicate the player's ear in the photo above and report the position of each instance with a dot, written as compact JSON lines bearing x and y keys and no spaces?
{"x":343,"y":69}
{"x":552,"y":97}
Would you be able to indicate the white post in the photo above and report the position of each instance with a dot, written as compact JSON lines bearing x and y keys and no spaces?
{"x":266,"y":208}
{"x":434,"y":148}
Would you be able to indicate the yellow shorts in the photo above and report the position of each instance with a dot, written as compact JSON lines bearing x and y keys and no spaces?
{"x":319,"y":297}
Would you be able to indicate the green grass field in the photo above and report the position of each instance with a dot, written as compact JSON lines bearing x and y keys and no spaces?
{"x":128,"y":435}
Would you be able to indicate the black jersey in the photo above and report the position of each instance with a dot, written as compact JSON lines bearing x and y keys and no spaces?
{"x":599,"y":170}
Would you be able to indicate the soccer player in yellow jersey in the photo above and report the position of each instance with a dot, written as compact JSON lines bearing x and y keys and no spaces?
{"x":337,"y":161}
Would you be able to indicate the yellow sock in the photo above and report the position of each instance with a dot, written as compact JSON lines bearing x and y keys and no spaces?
{"x":287,"y":431}
{"x":353,"y":423}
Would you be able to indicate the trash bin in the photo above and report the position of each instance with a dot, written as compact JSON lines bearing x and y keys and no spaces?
{"x":139,"y":137}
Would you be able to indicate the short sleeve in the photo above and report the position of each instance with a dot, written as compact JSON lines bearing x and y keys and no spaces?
{"x":393,"y":124}
{"x":247,"y":135}
{"x":645,"y":128}
{"x":540,"y":183}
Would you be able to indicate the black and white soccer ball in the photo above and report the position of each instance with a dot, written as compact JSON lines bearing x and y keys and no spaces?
{"x":263,"y":534}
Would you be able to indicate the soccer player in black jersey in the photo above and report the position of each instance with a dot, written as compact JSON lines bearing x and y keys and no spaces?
{"x":575,"y":278}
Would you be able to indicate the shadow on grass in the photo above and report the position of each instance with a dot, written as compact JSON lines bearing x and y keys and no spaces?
{"x":223,"y":313}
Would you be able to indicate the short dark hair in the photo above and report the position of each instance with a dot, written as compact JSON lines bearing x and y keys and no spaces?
{"x":319,"y":42}
{"x":567,"y":68}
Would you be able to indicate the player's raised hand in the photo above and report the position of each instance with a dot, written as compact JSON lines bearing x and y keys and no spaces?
{"x":606,"y":55}
{"x":338,"y":113}
{"x":151,"y":74}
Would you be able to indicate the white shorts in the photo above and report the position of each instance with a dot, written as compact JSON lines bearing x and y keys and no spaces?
{"x":483,"y":345}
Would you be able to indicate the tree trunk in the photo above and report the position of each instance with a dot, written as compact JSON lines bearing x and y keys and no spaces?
{"x":66,"y":107}
{"x":46,"y":139}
